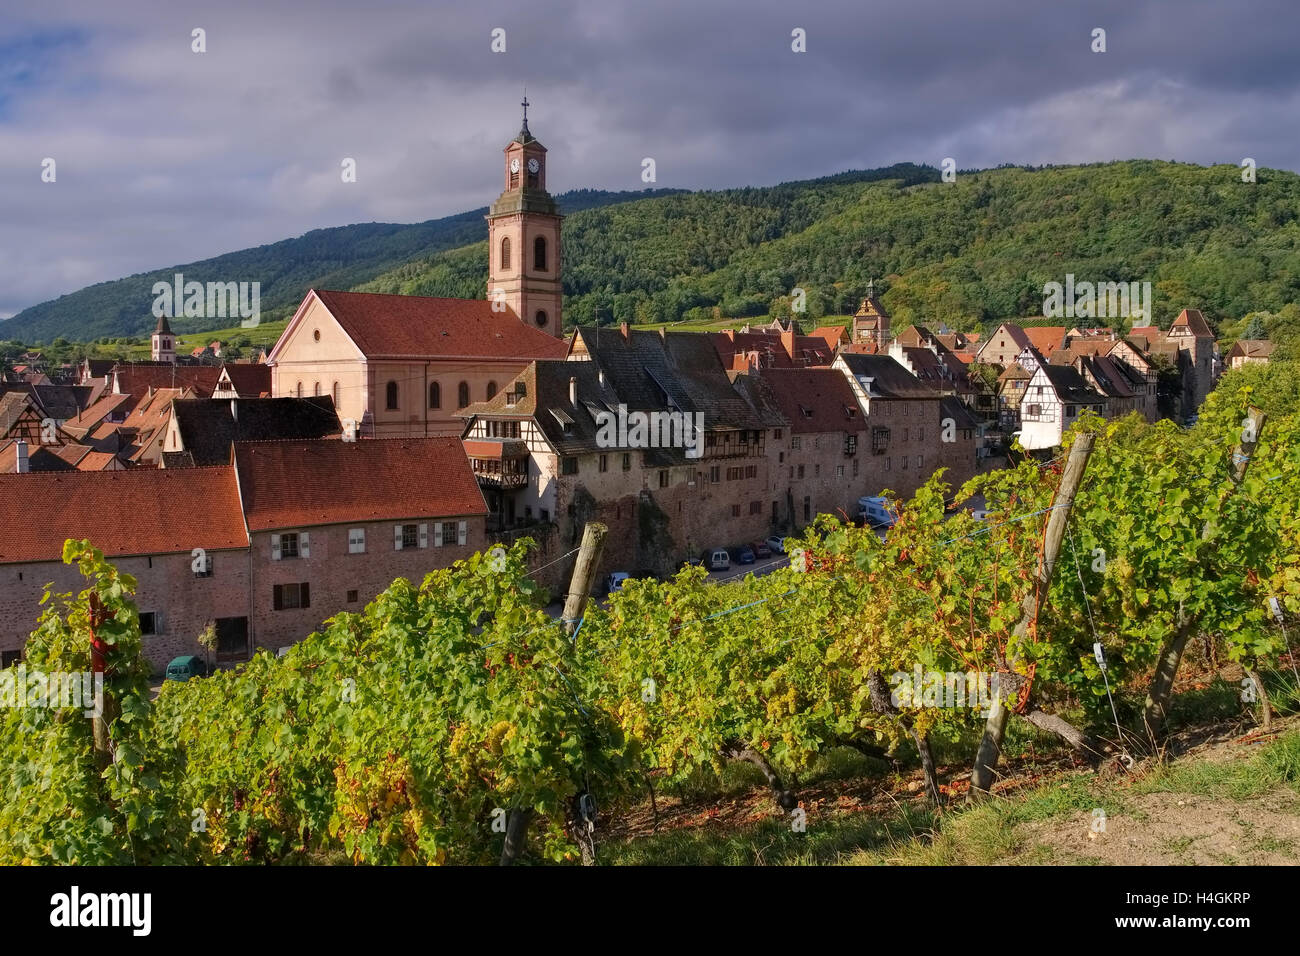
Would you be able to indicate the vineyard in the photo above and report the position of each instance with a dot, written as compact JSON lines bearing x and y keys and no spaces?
{"x":453,"y":721}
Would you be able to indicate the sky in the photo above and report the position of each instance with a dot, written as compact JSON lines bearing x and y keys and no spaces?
{"x":163,"y":155}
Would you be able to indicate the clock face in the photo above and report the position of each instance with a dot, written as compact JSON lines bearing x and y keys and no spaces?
{"x":534,"y":166}
{"x":514,"y":165}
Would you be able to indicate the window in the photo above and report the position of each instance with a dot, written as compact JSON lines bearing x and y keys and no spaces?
{"x":352,"y":597}
{"x":855,"y":468}
{"x":298,"y":391}
{"x":801,"y":471}
{"x":920,"y":461}
{"x":755,"y":507}
{"x":541,"y":318}
{"x":604,"y":463}
{"x":539,"y":254}
{"x":920,"y":434}
{"x":390,"y":394}
{"x":505,"y":251}
{"x":568,"y":466}
{"x":627,"y":461}
{"x":715,"y":474}
{"x":435,"y":395}
{"x":315,"y":389}
{"x":807,"y":508}
{"x":315,"y":335}
{"x":795,"y":442}
{"x":904,"y":434}
{"x":357,"y":541}
{"x":663,"y":479}
{"x":8,"y":658}
{"x":751,"y":471}
{"x":817,"y":470}
{"x":839,"y":471}
{"x":735,"y":511}
{"x":904,"y":462}
{"x":491,"y":390}
{"x":850,"y":444}
{"x":287,"y":547}
{"x":889,"y":463}
{"x":1069,"y":411}
{"x":734,"y":474}
{"x":334,"y":392}
{"x":462,"y":394}
{"x":1035,"y":410}
{"x":448,"y":533}
{"x":410,"y":536}
{"x":149,"y":623}
{"x":780,"y":458}
{"x":286,"y":597}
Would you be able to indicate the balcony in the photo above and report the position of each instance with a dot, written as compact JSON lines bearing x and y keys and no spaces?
{"x":498,"y":462}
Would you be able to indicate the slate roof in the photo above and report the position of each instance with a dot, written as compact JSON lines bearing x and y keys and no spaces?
{"x":889,"y":378}
{"x":1070,"y":386}
{"x":208,"y":426}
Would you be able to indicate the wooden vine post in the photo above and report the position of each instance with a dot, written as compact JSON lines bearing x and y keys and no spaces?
{"x":575,"y":604}
{"x":990,"y":747}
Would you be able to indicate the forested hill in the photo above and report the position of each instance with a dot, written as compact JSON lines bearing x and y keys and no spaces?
{"x":336,"y":258}
{"x":965,"y":253}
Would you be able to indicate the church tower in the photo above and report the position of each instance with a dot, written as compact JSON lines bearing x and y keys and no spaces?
{"x":524,"y":238}
{"x":163,"y":342}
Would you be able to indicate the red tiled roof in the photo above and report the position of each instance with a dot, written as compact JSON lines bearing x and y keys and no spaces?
{"x":406,"y":326}
{"x":1046,"y":338}
{"x":290,"y":484}
{"x":833,"y":335}
{"x":136,"y":379}
{"x":133,"y":512}
{"x":1193,"y":319}
{"x":814,"y":399}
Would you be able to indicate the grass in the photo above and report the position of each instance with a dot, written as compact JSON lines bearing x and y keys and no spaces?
{"x":989,"y":832}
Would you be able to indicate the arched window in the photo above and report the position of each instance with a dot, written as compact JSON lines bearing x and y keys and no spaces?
{"x":505,"y":253}
{"x":435,"y":395}
{"x":491,"y":390}
{"x":392,"y":395}
{"x":316,"y":389}
{"x":462,"y":395}
{"x":335,"y":392}
{"x":298,"y":393}
{"x":539,"y":254}
{"x":542,"y":318}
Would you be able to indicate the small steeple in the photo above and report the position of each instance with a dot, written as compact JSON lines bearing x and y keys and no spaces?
{"x":163,"y":328}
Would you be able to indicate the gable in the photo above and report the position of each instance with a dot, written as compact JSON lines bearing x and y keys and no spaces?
{"x":299,"y":342}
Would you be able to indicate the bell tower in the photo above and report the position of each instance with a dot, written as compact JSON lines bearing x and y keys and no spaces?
{"x":524,"y":238}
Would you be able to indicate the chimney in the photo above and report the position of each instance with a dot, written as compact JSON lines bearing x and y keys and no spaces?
{"x":573,"y":389}
{"x":22,"y":466}
{"x":234,"y":411}
{"x":622,"y":328}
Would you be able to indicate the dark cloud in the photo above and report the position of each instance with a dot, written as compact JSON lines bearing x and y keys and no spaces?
{"x":166,"y":156}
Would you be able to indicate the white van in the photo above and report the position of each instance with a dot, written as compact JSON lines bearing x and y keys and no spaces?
{"x":876,"y":512}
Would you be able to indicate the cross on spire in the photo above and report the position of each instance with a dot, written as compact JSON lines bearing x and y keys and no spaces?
{"x":524,"y":104}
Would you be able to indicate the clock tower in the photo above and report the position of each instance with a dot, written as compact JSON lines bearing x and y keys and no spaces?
{"x":524,"y":238}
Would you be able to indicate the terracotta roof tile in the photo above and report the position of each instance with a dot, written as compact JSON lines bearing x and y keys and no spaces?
{"x":136,"y":512}
{"x":402,"y":326}
{"x":294,"y":484}
{"x":814,"y":399}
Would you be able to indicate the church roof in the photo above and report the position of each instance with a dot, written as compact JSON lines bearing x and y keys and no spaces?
{"x":421,"y":327}
{"x":162,"y":328}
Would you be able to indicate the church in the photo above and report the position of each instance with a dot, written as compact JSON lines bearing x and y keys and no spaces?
{"x":404,"y":366}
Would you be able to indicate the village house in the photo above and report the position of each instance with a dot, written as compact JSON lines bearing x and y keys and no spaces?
{"x":1054,"y":398}
{"x":201,"y":431}
{"x":1249,"y":352}
{"x":287,"y":536}
{"x":907,"y":424}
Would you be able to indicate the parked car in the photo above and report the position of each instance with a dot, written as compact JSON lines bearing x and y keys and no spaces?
{"x":692,"y":563}
{"x":717,"y":560}
{"x":183,"y":668}
{"x":743,"y":555}
{"x":614,"y":581}
{"x":777,"y":544}
{"x":761,"y":550}
{"x":876,"y":512}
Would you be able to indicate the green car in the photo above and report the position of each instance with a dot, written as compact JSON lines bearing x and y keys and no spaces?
{"x":183,"y":668}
